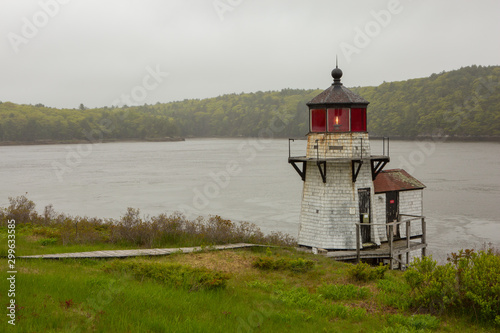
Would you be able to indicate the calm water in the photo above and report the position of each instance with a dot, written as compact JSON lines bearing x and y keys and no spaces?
{"x":248,"y":179}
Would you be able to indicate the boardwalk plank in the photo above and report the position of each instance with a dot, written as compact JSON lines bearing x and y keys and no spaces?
{"x":135,"y":253}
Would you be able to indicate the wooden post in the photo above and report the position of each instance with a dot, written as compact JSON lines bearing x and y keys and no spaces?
{"x":391,"y":236}
{"x":358,"y":243}
{"x":424,"y":237}
{"x":408,"y":245}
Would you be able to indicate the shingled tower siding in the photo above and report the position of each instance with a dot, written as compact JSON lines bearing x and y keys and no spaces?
{"x":330,"y":210}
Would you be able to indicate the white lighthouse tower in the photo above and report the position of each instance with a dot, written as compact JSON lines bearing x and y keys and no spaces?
{"x":338,"y":172}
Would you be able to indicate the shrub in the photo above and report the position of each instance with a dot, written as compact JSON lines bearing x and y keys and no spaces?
{"x":343,"y":292}
{"x":433,"y":287}
{"x":478,"y":276}
{"x":172,"y":274}
{"x":131,"y":228}
{"x":82,"y":230}
{"x":21,"y":209}
{"x":298,"y":265}
{"x":47,"y":241}
{"x":470,"y":281}
{"x":49,"y":232}
{"x":278,"y":238}
{"x":363,"y":272}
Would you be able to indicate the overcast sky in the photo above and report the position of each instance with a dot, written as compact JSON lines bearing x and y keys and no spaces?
{"x":65,"y":52}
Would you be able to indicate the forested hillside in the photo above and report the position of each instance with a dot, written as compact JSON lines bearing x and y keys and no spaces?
{"x":463,"y":103}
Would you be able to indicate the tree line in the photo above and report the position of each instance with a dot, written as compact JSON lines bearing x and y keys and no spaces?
{"x":463,"y":103}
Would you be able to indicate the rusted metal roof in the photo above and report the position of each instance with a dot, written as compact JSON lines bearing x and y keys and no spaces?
{"x":337,"y":94}
{"x":396,"y":180}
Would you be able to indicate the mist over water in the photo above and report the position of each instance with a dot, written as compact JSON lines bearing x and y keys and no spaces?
{"x":248,"y":180}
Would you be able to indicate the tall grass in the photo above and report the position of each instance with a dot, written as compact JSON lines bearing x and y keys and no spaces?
{"x":133,"y":229}
{"x":87,"y":296}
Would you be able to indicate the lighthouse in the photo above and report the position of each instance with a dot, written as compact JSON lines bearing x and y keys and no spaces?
{"x":338,"y":172}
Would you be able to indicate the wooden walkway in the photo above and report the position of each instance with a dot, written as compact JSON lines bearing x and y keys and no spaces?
{"x":137,"y":253}
{"x":382,"y":252}
{"x":396,"y":251}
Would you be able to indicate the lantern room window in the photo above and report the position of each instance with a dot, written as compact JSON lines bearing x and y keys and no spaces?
{"x":358,"y":120}
{"x":338,"y":120}
{"x":318,"y":120}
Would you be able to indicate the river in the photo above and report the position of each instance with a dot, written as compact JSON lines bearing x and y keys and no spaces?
{"x":248,"y":180}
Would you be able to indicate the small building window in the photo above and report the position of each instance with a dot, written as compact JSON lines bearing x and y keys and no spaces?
{"x":318,"y":120}
{"x":338,"y":120}
{"x":358,"y":120}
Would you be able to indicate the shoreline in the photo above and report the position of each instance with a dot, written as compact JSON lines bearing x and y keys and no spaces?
{"x":442,"y":138}
{"x":70,"y":142}
{"x":179,"y":139}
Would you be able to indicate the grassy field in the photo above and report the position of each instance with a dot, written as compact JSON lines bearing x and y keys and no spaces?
{"x":271,"y":288}
{"x":98,"y":296}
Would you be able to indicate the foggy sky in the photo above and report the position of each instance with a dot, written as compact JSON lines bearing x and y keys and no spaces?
{"x":100,"y":53}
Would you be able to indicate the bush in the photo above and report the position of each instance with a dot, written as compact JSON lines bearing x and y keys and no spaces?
{"x":82,"y":230}
{"x":298,"y":265}
{"x":433,"y":287}
{"x":478,"y":276}
{"x":47,"y":241}
{"x":131,"y":228}
{"x":363,"y":272}
{"x":469,"y":283}
{"x":49,"y":232}
{"x":343,"y":292}
{"x":172,"y":274}
{"x":21,"y":209}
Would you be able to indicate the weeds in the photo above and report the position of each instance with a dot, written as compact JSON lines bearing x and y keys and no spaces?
{"x":298,"y":265}
{"x":47,"y":241}
{"x":415,"y":322}
{"x":301,"y":298}
{"x":259,"y":285}
{"x":132,"y":229}
{"x":172,"y":274}
{"x":394,"y":293}
{"x":338,"y":292}
{"x":363,"y":272}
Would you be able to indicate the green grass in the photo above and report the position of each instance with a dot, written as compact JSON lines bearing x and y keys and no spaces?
{"x":274,"y":289}
{"x":29,"y":244}
{"x":86,"y":296}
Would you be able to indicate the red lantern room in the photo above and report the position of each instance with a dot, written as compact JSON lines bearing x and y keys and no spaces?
{"x":337,"y":109}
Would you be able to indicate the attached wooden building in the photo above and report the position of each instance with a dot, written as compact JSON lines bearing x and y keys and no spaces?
{"x":398,"y":194}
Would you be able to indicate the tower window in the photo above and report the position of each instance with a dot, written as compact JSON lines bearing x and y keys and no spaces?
{"x":318,"y":120}
{"x":338,"y":120}
{"x":358,"y":120}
